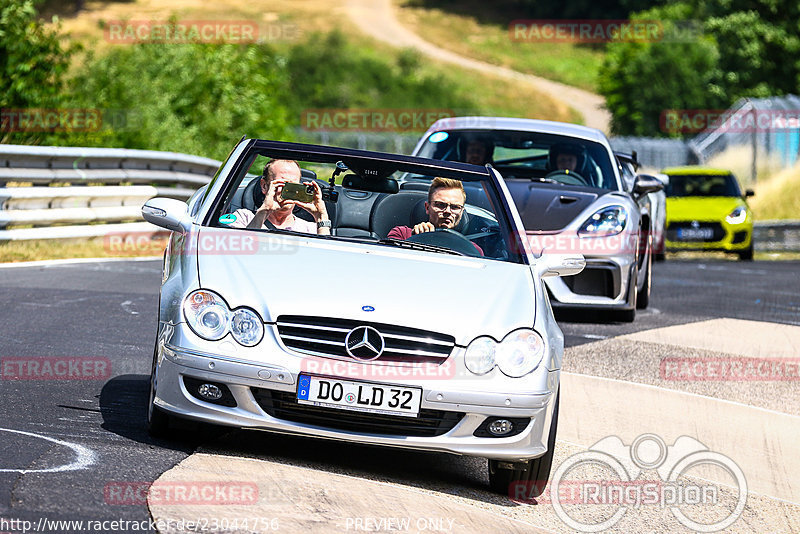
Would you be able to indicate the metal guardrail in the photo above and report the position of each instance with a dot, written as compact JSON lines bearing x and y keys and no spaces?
{"x":97,"y":186}
{"x":776,"y":236}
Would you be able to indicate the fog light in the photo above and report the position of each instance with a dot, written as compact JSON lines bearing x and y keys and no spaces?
{"x":500,"y":427}
{"x":210,"y":392}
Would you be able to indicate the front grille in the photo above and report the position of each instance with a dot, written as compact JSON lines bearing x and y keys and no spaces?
{"x":717,"y":231}
{"x":324,"y":336}
{"x":428,"y":423}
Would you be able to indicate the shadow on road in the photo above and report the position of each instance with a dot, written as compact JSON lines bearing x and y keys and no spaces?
{"x":123,"y":405}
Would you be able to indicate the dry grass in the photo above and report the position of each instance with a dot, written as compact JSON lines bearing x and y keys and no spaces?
{"x":779,"y":196}
{"x":484,"y":38}
{"x":99,"y":247}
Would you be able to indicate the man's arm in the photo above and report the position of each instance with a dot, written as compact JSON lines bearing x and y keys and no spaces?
{"x":399,"y":232}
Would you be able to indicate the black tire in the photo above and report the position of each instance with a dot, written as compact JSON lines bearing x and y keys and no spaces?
{"x":747,"y":254}
{"x":643,"y":296}
{"x":660,"y":256}
{"x":534,"y":474}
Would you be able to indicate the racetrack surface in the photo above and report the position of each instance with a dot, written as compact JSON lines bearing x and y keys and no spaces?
{"x":89,"y":434}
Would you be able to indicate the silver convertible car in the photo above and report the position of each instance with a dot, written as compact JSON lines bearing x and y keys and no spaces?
{"x":361,"y":327}
{"x":566,"y":183}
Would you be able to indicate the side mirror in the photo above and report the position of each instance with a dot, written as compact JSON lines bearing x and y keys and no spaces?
{"x":559,"y":264}
{"x":167,"y":213}
{"x":646,"y":183}
{"x":749,"y":193}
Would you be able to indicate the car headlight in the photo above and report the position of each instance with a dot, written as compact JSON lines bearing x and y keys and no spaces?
{"x":246,"y":327}
{"x":210,"y":318}
{"x":737,"y":216}
{"x":520,"y":352}
{"x":605,"y":222}
{"x":480,"y":356}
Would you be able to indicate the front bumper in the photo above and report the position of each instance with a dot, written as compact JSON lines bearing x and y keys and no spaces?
{"x":725,"y":237}
{"x":607,"y":282}
{"x":459,"y":398}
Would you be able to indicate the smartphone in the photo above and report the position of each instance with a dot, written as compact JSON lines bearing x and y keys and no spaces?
{"x":300,"y":192}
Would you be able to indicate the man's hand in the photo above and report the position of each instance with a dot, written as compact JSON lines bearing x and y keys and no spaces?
{"x":270,"y":203}
{"x":422,"y":228}
{"x":317,"y":208}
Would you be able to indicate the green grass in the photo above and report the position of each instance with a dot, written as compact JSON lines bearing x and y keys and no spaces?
{"x":487,"y":39}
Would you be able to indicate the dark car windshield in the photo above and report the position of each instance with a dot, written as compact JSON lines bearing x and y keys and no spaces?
{"x":703,"y":185}
{"x":527,"y":155}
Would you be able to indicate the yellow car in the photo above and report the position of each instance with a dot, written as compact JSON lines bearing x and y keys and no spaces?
{"x":706,"y":210}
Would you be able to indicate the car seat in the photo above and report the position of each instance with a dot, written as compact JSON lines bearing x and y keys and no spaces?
{"x":405,"y":208}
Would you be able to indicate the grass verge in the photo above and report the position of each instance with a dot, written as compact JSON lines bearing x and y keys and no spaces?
{"x":34,"y":250}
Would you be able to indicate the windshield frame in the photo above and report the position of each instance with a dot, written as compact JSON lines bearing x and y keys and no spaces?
{"x":401,"y":166}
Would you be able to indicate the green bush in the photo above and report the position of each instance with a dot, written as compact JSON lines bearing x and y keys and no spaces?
{"x":193,"y":98}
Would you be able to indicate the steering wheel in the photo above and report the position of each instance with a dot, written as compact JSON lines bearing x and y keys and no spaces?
{"x":444,"y":237}
{"x":567,"y":177}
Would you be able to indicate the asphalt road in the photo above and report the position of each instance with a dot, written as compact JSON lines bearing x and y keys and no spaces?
{"x":105,"y":314}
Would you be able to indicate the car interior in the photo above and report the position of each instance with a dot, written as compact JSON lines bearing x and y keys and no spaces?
{"x":369,"y":216}
{"x":527,"y":155}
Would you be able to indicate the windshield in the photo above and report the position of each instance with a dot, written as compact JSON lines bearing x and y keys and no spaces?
{"x":527,"y":155}
{"x":448,"y":212}
{"x":703,"y":185}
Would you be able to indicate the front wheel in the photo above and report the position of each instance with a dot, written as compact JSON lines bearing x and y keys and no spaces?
{"x":747,"y":254}
{"x":525,"y":479}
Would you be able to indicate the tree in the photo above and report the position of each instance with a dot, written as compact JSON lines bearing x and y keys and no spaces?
{"x":747,"y":48}
{"x":32,"y":62}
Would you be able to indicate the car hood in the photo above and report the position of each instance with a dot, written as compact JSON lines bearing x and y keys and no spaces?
{"x":294,"y":275}
{"x":550,"y":207}
{"x":701,"y":208}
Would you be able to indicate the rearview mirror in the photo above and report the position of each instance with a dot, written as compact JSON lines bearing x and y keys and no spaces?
{"x":749,"y":193}
{"x":559,"y":264}
{"x":646,"y":183}
{"x":167,"y":213}
{"x":372,"y":185}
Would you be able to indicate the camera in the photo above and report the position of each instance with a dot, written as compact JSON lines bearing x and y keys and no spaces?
{"x":299,"y":192}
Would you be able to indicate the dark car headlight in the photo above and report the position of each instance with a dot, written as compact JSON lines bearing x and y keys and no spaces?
{"x":209,"y":317}
{"x":604,"y":222}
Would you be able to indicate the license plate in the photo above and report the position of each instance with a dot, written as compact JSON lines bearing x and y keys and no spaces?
{"x":358,"y":396}
{"x":695,"y":233}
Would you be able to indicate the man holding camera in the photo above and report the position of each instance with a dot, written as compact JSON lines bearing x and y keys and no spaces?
{"x":276,"y":212}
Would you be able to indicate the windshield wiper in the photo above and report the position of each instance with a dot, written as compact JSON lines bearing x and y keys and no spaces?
{"x":418,"y":246}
